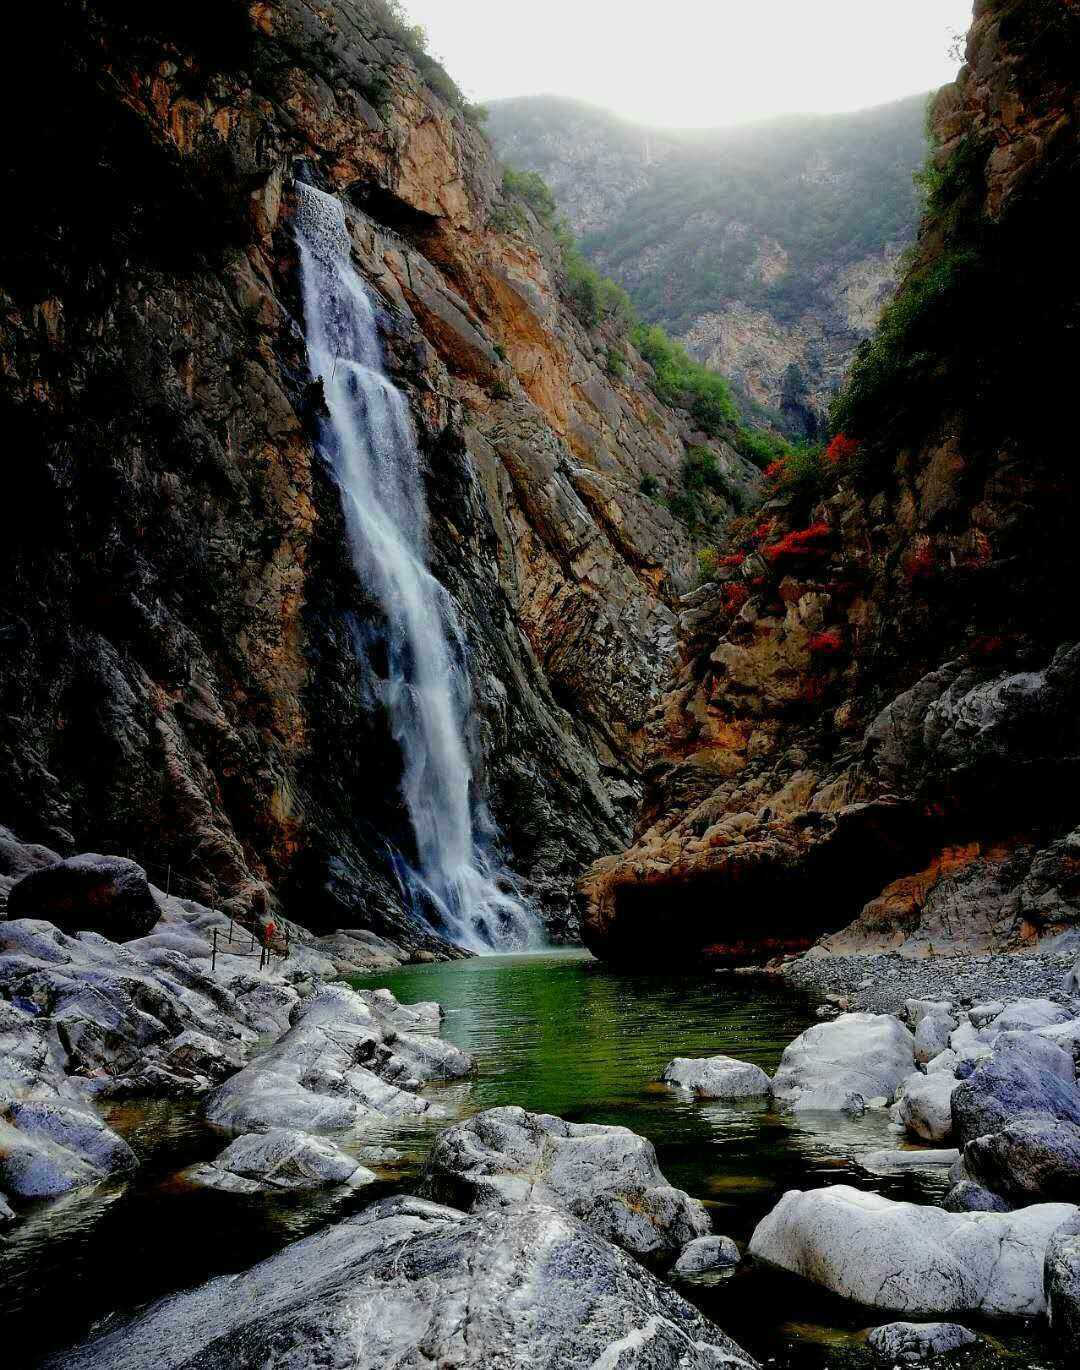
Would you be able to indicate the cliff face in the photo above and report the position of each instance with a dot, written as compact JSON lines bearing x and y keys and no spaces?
{"x":874,"y":736}
{"x":191,"y":668}
{"x":769,"y":250}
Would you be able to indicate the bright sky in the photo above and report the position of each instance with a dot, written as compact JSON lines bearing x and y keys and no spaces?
{"x":696,"y":63}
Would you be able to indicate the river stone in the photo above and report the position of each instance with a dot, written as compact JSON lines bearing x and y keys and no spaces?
{"x":717,"y":1077}
{"x":926,"y":1106}
{"x":839,"y":1066}
{"x":51,"y":1146}
{"x":283,"y":1159}
{"x":969,"y":1044}
{"x":982,"y":1014}
{"x":889,"y":1162}
{"x":7,"y":1213}
{"x":932,"y":1035}
{"x":606,"y":1176}
{"x":1062,"y":1279}
{"x":914,"y":1343}
{"x":1029,"y":1014}
{"x":88,"y":893}
{"x":409,"y":1283}
{"x":1031,"y":1159}
{"x":909,"y":1258}
{"x":706,"y":1256}
{"x":1036,"y":1050}
{"x":1007,"y":1089}
{"x":333,"y":1070}
{"x":945,"y":1061}
{"x":968,"y":1197}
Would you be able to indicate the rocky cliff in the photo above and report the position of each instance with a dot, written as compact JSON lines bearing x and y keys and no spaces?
{"x":768,"y":249}
{"x":874,"y":735}
{"x":190,"y":669}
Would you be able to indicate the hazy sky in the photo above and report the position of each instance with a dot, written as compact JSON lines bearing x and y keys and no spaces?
{"x":697,"y":62}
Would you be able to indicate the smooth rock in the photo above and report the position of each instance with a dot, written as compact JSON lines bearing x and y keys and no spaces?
{"x":968,"y":1197}
{"x":284,"y":1159}
{"x":705,"y":1257}
{"x":838,"y":1066}
{"x":717,"y":1077}
{"x":926,"y":1106}
{"x":914,"y":1343}
{"x":910,"y":1258}
{"x":411,"y":1283}
{"x":606,"y":1176}
{"x":944,"y":1062}
{"x":88,"y":893}
{"x":1029,"y":1160}
{"x":1037,"y":1051}
{"x":932,"y":1035}
{"x":1006,"y":1090}
{"x":982,"y":1014}
{"x":51,"y":1146}
{"x":1029,"y":1014}
{"x":890,"y":1162}
{"x":1061,"y":1275}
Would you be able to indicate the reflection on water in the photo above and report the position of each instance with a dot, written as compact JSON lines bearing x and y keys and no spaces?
{"x":557,"y":1033}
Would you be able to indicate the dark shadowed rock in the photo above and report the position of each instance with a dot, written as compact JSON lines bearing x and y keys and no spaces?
{"x":606,"y":1176}
{"x":1029,"y":1160}
{"x":1005,"y":1090}
{"x":411,"y":1283}
{"x":968,"y":1197}
{"x":1062,"y":1278}
{"x":88,"y":893}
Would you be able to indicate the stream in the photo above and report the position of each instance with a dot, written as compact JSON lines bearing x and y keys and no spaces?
{"x":554,"y":1032}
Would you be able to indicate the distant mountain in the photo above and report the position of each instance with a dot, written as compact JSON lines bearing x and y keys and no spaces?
{"x":769,"y":249}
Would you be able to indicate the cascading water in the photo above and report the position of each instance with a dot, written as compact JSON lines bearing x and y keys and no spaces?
{"x":370,"y":442}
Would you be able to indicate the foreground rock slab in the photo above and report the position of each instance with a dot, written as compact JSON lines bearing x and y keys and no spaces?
{"x":912,"y":1259}
{"x":280,"y":1159}
{"x":717,"y":1077}
{"x":842,"y":1065}
{"x":606,"y":1176}
{"x":411,"y":1283}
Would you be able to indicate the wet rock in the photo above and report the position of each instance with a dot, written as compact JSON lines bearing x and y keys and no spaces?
{"x":7,"y":1213}
{"x":914,"y":1343}
{"x":892,"y":1162}
{"x":839,"y":1066}
{"x":1029,"y":1160}
{"x":333,"y":1070}
{"x":50,"y":1146}
{"x":705,"y":1257}
{"x":410,"y":1282}
{"x":926,"y":1106}
{"x":1009,"y":1089}
{"x":281,"y":1159}
{"x":606,"y":1176}
{"x":909,"y":1258}
{"x":717,"y":1077}
{"x":968,"y":1197}
{"x":1062,"y":1280}
{"x":88,"y":893}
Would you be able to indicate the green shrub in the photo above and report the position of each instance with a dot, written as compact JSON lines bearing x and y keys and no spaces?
{"x":649,"y":486}
{"x":534,"y":190}
{"x":615,"y":364}
{"x":679,"y":380}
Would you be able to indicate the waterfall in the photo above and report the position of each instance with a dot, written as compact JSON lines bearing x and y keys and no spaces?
{"x":370,"y":443}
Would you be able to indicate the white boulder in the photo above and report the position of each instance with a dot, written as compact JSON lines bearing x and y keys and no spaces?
{"x":717,"y":1077}
{"x":840,"y":1066}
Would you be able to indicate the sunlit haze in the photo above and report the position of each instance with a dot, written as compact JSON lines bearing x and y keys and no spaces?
{"x":697,"y":63}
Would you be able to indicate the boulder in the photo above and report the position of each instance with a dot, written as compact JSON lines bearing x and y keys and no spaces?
{"x":88,"y":893}
{"x":281,"y":1159}
{"x":410,"y":1283}
{"x":908,"y":1258}
{"x":983,"y":1014}
{"x":921,"y":1158}
{"x":1036,"y":1051}
{"x":606,"y":1176}
{"x":51,"y":1146}
{"x":968,"y":1197}
{"x":945,"y":1061}
{"x":914,"y":1343}
{"x":926,"y":1106}
{"x":1061,"y":1274}
{"x":1028,"y":1014}
{"x":1007,"y":1089}
{"x":705,"y":1259}
{"x":717,"y":1077}
{"x":839,"y":1066}
{"x":1029,"y":1160}
{"x":335,"y":1068}
{"x":932,"y":1035}
{"x":969,"y":1044}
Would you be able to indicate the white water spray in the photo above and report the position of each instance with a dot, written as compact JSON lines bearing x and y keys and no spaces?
{"x":370,"y":442}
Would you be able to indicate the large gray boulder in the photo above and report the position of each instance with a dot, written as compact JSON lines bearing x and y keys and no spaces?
{"x":50,"y":1146}
{"x":606,"y":1176}
{"x":1004,"y":1090}
{"x":915,"y":1343}
{"x":88,"y":893}
{"x":337,"y":1067}
{"x":932,"y":1034}
{"x":1061,"y":1275}
{"x":912,"y":1259}
{"x":717,"y":1077}
{"x":842,"y":1065}
{"x":1029,"y":1160}
{"x":280,"y":1159}
{"x":408,"y":1283}
{"x":925,"y":1106}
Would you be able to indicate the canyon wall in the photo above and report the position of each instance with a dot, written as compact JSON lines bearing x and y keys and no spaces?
{"x":874,"y":738}
{"x":190,"y":670}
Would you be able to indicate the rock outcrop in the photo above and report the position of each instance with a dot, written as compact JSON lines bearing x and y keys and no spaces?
{"x":412,"y":1282}
{"x":873,"y":738}
{"x":193,"y":670}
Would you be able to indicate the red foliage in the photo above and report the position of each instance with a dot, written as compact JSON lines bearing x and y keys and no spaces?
{"x":775,"y":471}
{"x":734,"y":558}
{"x":801,"y":542}
{"x":921,"y":565}
{"x":826,"y":644}
{"x":763,"y":530}
{"x":841,"y":450}
{"x":735,"y":596}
